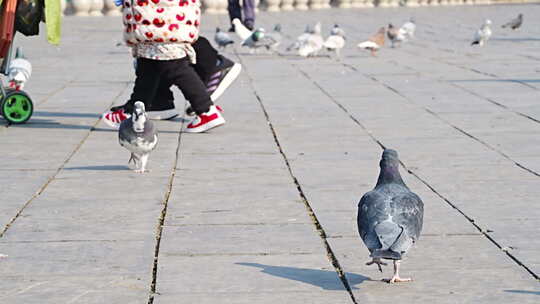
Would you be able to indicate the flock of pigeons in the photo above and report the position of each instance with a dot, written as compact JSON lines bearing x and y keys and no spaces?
{"x":311,"y":41}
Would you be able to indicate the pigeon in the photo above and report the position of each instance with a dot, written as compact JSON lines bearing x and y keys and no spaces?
{"x":242,"y":31}
{"x":139,"y":136}
{"x":222,"y":39}
{"x":336,"y":40}
{"x":19,"y":71}
{"x":482,"y":35}
{"x":276,"y":36}
{"x":395,"y":35}
{"x":514,"y":23}
{"x":374,"y":42}
{"x":408,"y":29}
{"x":390,"y":216}
{"x":313,"y":44}
{"x":301,"y":39}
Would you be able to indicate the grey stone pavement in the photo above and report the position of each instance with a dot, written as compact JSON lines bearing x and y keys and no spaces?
{"x":263,"y":210}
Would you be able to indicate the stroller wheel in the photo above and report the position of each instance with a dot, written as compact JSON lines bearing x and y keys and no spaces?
{"x":16,"y":107}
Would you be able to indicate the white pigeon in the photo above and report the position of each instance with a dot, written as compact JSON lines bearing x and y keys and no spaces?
{"x":19,"y":71}
{"x":222,"y":39}
{"x":301,"y":39}
{"x":313,"y":44}
{"x":139,"y":136}
{"x":336,"y":41}
{"x":408,"y":29}
{"x":242,"y":31}
{"x":483,"y":34}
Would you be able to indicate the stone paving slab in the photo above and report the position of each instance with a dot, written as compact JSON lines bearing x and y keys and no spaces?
{"x":232,"y":213}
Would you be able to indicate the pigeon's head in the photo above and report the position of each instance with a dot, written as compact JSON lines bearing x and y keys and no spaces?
{"x":390,"y":26}
{"x":138,"y":117}
{"x":258,"y":34}
{"x":520,"y":16}
{"x":277,"y":28}
{"x":412,"y":20}
{"x":218,"y":30}
{"x":389,"y":158}
{"x":308,"y":29}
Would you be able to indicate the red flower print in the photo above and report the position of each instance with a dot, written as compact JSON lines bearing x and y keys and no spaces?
{"x":173,"y":40}
{"x":137,"y":17}
{"x":181,"y":17}
{"x":191,"y":35}
{"x":189,"y":22}
{"x":142,"y":2}
{"x":128,"y":16}
{"x":197,"y":23}
{"x":155,"y":1}
{"x":149,"y":35}
{"x":158,"y":40}
{"x":173,"y":27}
{"x":158,"y":22}
{"x":160,"y":10}
{"x":146,"y":22}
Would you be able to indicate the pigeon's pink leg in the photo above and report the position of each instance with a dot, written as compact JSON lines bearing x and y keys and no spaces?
{"x":143,"y":159}
{"x":396,"y":278}
{"x":378,"y":262}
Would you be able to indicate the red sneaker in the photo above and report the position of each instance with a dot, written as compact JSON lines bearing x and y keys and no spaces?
{"x":114,"y":118}
{"x":206,"y":121}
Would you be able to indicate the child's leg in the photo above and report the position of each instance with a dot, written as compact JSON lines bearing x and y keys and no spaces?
{"x":146,"y":83}
{"x":164,"y":98}
{"x":182,"y":74}
{"x":207,"y":58}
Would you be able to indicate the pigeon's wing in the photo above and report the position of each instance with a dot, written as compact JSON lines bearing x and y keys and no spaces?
{"x":242,"y":31}
{"x":334,"y":42}
{"x":223,"y":39}
{"x":371,"y":212}
{"x":368,"y":45}
{"x":266,"y":41}
{"x":408,"y":213}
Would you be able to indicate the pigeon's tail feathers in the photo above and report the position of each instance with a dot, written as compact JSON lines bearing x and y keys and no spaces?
{"x":242,"y":31}
{"x":388,"y":233}
{"x":386,"y":254}
{"x":368,"y":45}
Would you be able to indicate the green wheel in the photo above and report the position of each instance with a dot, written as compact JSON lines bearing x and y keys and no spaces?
{"x":16,"y":107}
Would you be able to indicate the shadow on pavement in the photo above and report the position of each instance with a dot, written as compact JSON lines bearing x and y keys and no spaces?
{"x":63,"y":114}
{"x":524,"y":292}
{"x":99,"y":168}
{"x":324,"y":279}
{"x":495,"y":80}
{"x":515,"y":39}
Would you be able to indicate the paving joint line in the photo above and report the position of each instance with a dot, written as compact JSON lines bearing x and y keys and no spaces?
{"x":484,"y":232}
{"x":57,"y":171}
{"x":329,"y":252}
{"x":161,"y":220}
{"x":429,"y":111}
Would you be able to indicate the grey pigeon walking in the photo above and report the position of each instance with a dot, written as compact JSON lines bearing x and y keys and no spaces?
{"x":139,"y":136}
{"x":300,"y":40}
{"x":313,"y":44}
{"x":390,"y":216}
{"x":222,"y":39}
{"x":514,"y":23}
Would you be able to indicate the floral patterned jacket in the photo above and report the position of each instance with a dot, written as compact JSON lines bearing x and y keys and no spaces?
{"x":161,"y":29}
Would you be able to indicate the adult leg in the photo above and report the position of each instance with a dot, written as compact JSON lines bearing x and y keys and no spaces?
{"x":248,"y":9}
{"x":234,"y":11}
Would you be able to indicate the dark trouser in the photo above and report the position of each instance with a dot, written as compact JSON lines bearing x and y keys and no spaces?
{"x":248,"y":8}
{"x":152,"y":75}
{"x":207,"y":58}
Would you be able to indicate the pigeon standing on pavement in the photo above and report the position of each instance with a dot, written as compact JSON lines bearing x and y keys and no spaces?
{"x":336,"y":41}
{"x":395,"y":35}
{"x":374,"y":42}
{"x":408,"y":28}
{"x":390,"y":216}
{"x":222,"y":39}
{"x":301,"y":39}
{"x":313,"y":44}
{"x":514,"y":23}
{"x":483,"y":34}
{"x":139,"y":136}
{"x":19,"y":71}
{"x":276,"y":36}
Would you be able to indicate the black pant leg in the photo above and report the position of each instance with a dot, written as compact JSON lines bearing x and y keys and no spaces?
{"x":207,"y":58}
{"x":146,"y":83}
{"x":234,"y":10}
{"x":164,"y":98}
{"x":182,"y":74}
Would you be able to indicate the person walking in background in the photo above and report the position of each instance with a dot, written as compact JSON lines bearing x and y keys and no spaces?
{"x":248,"y":9}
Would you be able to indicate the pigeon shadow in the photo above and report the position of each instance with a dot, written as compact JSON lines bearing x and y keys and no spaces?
{"x":523,"y":291}
{"x":99,"y":168}
{"x":324,"y":279}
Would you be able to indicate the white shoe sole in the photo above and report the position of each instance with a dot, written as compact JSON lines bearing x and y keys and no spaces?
{"x":162,"y":115}
{"x":210,"y":125}
{"x":227,"y":81}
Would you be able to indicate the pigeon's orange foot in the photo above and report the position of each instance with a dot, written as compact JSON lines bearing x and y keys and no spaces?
{"x":397,"y":279}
